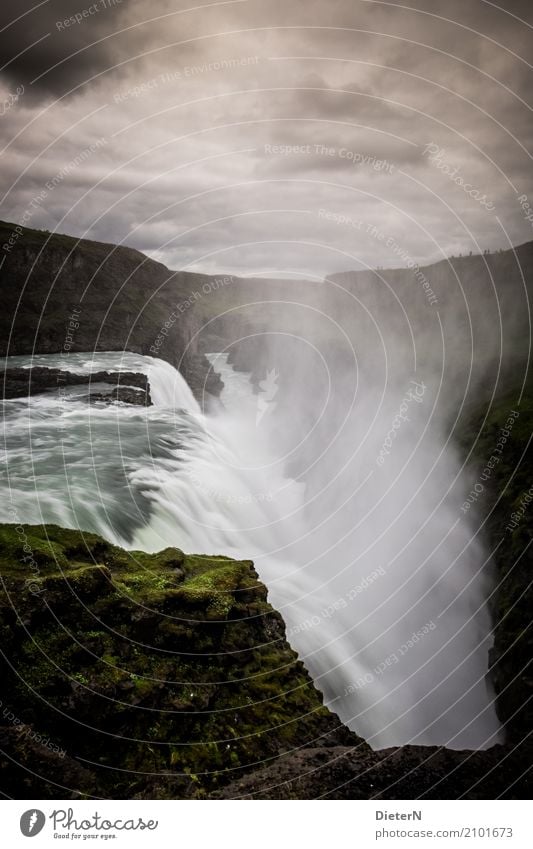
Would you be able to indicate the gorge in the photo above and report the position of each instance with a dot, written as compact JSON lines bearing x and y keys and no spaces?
{"x":272,"y":454}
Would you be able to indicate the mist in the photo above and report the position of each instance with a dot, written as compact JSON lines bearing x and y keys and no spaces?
{"x":334,"y":461}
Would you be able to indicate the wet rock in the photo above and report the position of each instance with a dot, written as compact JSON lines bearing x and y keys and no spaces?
{"x":24,"y":382}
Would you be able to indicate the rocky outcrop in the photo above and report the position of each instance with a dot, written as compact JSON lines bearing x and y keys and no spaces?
{"x":129,"y":387}
{"x":134,"y":675}
{"x":129,"y":675}
{"x":408,"y":772}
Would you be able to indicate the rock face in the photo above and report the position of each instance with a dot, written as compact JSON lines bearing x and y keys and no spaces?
{"x":135,"y":675}
{"x":409,"y":772}
{"x":24,"y":382}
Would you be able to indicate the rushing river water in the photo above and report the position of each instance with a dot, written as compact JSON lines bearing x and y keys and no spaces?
{"x":399,"y":651}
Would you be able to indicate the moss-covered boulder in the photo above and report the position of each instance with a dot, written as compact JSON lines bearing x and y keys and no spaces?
{"x":136,"y":675}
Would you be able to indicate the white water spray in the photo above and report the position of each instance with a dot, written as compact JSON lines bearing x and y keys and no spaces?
{"x":394,"y":634}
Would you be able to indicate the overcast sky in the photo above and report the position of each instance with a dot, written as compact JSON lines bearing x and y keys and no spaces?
{"x":255,"y":137}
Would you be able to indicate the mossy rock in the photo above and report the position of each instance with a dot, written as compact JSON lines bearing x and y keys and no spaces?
{"x":159,"y":675}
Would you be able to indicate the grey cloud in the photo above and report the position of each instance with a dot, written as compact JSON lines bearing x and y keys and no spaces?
{"x":57,"y":43}
{"x":171,"y":167}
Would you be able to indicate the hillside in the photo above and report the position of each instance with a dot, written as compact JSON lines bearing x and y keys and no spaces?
{"x":124,"y":300}
{"x":65,"y":294}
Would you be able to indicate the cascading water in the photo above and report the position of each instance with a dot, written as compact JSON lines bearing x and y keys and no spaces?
{"x":396,"y":639}
{"x":71,"y":463}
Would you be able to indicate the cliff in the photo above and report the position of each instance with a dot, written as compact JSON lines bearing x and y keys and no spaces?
{"x":135,"y":675}
{"x":128,"y":675}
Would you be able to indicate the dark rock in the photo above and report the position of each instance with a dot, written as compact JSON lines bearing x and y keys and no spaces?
{"x":409,"y":772}
{"x":204,"y":382}
{"x":123,"y":394}
{"x":146,"y":673}
{"x":24,"y":382}
{"x":33,"y":769}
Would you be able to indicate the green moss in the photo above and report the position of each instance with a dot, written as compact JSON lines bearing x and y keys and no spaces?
{"x":214,"y":589}
{"x":171,"y":669}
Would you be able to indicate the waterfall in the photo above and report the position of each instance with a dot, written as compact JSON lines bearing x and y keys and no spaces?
{"x":395,"y":633}
{"x":168,"y":388}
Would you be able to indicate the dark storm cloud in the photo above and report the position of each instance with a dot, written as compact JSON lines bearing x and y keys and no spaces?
{"x":55,"y":48}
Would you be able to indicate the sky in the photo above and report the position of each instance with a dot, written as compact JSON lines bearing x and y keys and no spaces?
{"x":289,"y":137}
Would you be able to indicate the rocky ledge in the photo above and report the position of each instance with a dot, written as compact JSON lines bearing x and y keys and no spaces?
{"x":128,"y":387}
{"x":134,"y":675}
{"x":130,"y":675}
{"x":406,"y":772}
